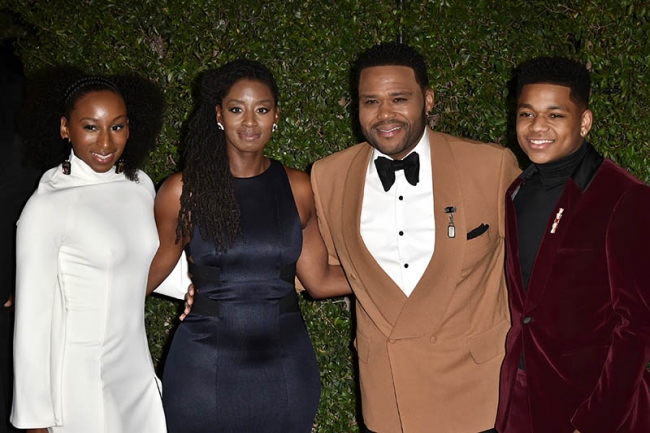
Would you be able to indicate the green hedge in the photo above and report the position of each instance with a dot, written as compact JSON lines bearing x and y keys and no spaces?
{"x":471,"y":46}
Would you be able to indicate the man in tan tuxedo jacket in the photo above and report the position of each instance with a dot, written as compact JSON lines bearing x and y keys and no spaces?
{"x":423,"y":251}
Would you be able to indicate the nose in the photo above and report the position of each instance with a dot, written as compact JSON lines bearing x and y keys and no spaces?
{"x":249,"y":119}
{"x":385,"y":111}
{"x":104,"y":139}
{"x":538,"y":124}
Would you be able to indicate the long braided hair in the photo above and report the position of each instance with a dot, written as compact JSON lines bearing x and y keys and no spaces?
{"x":53,"y":93}
{"x":208,"y":197}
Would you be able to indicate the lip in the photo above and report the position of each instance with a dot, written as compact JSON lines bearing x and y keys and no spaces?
{"x":539,"y":143}
{"x":249,"y":136}
{"x":103,"y":159}
{"x":388,"y":131}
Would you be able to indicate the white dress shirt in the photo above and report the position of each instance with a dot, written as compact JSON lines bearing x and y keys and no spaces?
{"x":398,"y":225}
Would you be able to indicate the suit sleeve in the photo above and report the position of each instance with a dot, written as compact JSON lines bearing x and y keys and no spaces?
{"x":39,"y":332}
{"x":508,"y":173}
{"x":321,"y":214}
{"x":628,"y":236}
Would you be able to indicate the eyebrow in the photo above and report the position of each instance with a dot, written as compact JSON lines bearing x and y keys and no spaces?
{"x":550,"y":107}
{"x":391,"y":94}
{"x":95,"y":120}
{"x":263,"y":101}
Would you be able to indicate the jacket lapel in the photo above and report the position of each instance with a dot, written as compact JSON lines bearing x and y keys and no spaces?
{"x":378,"y":295}
{"x":513,"y":268}
{"x":569,"y":200}
{"x":426,"y":306}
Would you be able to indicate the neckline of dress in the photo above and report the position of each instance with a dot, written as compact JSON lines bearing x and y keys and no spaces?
{"x":268,"y":169}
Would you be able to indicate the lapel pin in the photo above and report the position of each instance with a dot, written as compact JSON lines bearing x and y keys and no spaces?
{"x":451,"y":229}
{"x":556,"y":221}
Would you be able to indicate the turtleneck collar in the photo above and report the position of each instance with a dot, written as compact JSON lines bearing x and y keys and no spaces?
{"x":560,"y":171}
{"x":82,"y":174}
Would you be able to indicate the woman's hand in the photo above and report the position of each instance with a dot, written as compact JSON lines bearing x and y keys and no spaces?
{"x":189,"y":300}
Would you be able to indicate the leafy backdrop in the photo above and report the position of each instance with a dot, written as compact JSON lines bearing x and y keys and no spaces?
{"x":471,"y":47}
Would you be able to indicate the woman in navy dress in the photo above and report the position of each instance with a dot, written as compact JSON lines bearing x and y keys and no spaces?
{"x":242,"y":360}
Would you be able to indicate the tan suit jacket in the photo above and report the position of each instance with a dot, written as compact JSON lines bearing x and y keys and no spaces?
{"x":429,"y":362}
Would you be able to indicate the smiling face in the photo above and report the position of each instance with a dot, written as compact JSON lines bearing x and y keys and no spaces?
{"x":247,"y":113}
{"x":550,"y":125}
{"x":392,"y":109}
{"x":98,"y":129}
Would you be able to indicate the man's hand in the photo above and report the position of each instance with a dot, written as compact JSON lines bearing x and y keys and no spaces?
{"x":10,"y":302}
{"x":189,"y":300}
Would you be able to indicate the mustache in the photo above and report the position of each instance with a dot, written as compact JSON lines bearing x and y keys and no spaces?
{"x":390,"y":122}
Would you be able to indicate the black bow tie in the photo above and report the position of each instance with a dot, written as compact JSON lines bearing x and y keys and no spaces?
{"x":386,"y":169}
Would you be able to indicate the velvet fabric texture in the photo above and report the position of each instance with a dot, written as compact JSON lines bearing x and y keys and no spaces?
{"x":584,"y":324}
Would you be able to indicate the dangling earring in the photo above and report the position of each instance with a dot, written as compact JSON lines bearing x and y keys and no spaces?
{"x":275,"y":127}
{"x":66,"y":168}
{"x":119,"y":167}
{"x":219,"y":125}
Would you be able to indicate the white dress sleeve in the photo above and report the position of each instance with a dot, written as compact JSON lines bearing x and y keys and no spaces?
{"x":177,"y":282}
{"x":40,"y":314}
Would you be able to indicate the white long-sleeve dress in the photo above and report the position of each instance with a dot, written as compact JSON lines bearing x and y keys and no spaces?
{"x":84,"y":245}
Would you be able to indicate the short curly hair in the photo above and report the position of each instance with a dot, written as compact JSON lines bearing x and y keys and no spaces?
{"x":53,"y":93}
{"x":392,"y":54}
{"x":208,"y":197}
{"x":556,"y":70}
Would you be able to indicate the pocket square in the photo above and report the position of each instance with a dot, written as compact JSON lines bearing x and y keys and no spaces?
{"x":478,"y":231}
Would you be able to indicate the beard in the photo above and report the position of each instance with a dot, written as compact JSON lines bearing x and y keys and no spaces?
{"x":412,"y":135}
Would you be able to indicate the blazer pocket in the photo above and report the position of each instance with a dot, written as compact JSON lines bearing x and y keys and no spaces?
{"x":490,"y":343}
{"x":478,"y":231}
{"x":478,"y":248}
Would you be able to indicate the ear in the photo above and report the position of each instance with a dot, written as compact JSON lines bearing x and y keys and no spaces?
{"x":276,"y":118}
{"x":128,"y":129}
{"x":65,"y":133}
{"x":428,"y":100}
{"x":218,"y":111}
{"x":585,"y":122}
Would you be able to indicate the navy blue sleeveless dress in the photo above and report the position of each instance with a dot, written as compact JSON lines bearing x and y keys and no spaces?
{"x":242,"y":361}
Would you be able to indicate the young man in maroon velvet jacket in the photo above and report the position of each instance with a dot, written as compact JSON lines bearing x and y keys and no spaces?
{"x":578,"y":271}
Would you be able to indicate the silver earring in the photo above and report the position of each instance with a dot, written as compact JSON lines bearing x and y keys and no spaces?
{"x":219,"y":125}
{"x":275,"y":127}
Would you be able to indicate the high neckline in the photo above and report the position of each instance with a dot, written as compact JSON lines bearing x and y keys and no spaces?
{"x":83,"y":173}
{"x":560,"y":171}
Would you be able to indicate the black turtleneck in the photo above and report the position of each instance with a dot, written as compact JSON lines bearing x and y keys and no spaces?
{"x":536,"y":200}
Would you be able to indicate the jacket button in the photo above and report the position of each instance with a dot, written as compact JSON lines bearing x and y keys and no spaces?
{"x":527,"y":320}
{"x":353,"y":275}
{"x":434,"y":339}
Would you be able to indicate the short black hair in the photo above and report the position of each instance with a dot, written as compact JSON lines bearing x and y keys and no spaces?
{"x":557,"y":70}
{"x":392,"y":54}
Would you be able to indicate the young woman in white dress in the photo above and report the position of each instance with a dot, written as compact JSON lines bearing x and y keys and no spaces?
{"x":85,"y":241}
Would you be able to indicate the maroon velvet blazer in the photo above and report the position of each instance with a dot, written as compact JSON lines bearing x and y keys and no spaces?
{"x":584,"y":324}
